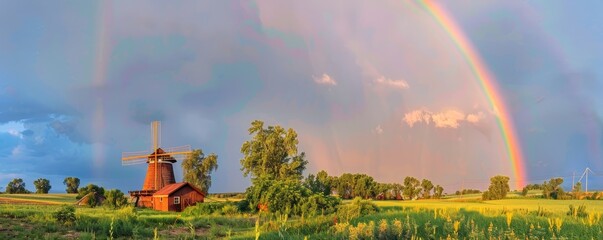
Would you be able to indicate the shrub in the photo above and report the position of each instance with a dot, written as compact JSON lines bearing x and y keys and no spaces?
{"x":318,"y":203}
{"x":205,"y":208}
{"x":355,"y":209}
{"x":243,"y":206}
{"x":65,"y":215}
{"x":114,"y":198}
{"x":229,"y":209}
{"x":88,"y":189}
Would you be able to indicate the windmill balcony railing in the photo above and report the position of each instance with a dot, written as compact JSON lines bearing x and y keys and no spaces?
{"x":142,"y":192}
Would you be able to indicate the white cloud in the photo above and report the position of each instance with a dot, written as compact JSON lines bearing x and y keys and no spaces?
{"x":15,"y":133}
{"x":448,"y":119}
{"x":325,"y":79}
{"x":444,"y":119}
{"x":475,"y":118}
{"x":417,"y":116}
{"x":401,"y":84}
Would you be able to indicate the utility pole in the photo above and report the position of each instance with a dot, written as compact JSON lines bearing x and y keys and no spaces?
{"x":587,"y":169}
{"x":585,"y":174}
{"x":573,"y":182}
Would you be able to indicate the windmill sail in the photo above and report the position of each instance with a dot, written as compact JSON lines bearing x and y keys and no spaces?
{"x":173,"y":153}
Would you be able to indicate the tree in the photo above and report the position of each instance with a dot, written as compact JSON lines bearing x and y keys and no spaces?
{"x":198,"y":168}
{"x":272,"y":160}
{"x":42,"y":185}
{"x":344,"y":185}
{"x":383,"y":191}
{"x":321,"y":183}
{"x":72,"y":184}
{"x":397,"y":191}
{"x":16,"y":186}
{"x":83,"y":191}
{"x":437,"y":192}
{"x":411,"y":187}
{"x":498,"y":189}
{"x":272,"y":153}
{"x":578,"y":188}
{"x":427,"y":186}
{"x":364,"y":186}
{"x":552,"y":188}
{"x":114,"y":198}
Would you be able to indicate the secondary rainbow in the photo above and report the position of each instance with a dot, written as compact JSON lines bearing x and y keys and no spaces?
{"x":488,"y":84}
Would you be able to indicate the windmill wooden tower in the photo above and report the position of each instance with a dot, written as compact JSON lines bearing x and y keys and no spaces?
{"x":160,"y":171}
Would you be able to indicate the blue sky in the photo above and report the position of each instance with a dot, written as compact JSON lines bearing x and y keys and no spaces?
{"x":80,"y":83}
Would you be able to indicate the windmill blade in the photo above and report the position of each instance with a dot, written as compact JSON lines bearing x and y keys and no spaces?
{"x":186,"y":149}
{"x":131,"y":158}
{"x":178,"y":153}
{"x":133,"y":162}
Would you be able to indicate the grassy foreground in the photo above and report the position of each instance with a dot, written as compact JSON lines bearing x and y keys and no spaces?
{"x":30,"y":216}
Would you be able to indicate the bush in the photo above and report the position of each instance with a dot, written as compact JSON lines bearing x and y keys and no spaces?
{"x":243,"y":206}
{"x":318,"y":203}
{"x":208,"y":208}
{"x":65,"y":215}
{"x":355,"y":209}
{"x":88,"y":189}
{"x":289,"y":197}
{"x":229,"y":209}
{"x":114,"y":198}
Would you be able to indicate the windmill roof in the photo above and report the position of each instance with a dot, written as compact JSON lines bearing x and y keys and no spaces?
{"x":169,"y":189}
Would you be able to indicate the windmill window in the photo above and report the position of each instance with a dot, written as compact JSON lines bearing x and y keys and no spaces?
{"x":176,"y":200}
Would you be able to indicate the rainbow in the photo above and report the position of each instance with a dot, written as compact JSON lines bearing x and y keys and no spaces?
{"x":488,"y":84}
{"x":99,"y":81}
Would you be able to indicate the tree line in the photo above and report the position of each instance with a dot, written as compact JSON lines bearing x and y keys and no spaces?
{"x":42,"y":185}
{"x":352,"y":185}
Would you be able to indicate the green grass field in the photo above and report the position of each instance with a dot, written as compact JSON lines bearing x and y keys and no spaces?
{"x":30,"y":216}
{"x":40,"y":198}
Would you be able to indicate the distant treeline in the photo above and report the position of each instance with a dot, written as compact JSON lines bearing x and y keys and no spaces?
{"x":467,"y":191}
{"x":227,"y":195}
{"x":351,"y":185}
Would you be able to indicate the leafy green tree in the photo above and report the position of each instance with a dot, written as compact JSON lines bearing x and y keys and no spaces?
{"x":364,"y":186}
{"x":427,"y":186}
{"x":114,"y":198}
{"x":324,"y":182}
{"x":42,"y":185}
{"x":383,"y":191}
{"x":397,"y":189}
{"x":198,"y":168}
{"x":271,"y":159}
{"x":83,"y":191}
{"x":552,"y":188}
{"x":498,"y":189}
{"x":16,"y":186}
{"x":272,"y":153}
{"x":344,"y":185}
{"x":411,"y":187}
{"x":72,"y":184}
{"x":321,"y":183}
{"x":438,"y":191}
{"x":289,"y":197}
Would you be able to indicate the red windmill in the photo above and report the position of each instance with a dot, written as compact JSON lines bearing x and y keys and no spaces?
{"x":160,"y":171}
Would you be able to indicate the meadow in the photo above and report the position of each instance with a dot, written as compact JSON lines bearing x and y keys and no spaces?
{"x":32,"y":216}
